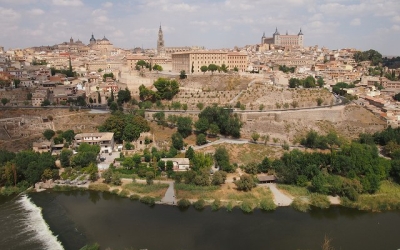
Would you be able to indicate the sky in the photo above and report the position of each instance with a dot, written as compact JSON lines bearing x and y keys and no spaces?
{"x":335,"y":24}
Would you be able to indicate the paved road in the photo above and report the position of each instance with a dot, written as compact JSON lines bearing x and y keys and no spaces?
{"x":169,"y":197}
{"x":280,"y":198}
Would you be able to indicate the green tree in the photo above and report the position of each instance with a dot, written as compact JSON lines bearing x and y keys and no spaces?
{"x":166,"y":88}
{"x":212,"y":68}
{"x":184,"y":125}
{"x":202,"y":125}
{"x":45,"y":103}
{"x":264,"y":166}
{"x":177,"y":141}
{"x":48,"y":134}
{"x":183,"y":75}
{"x":157,"y":67}
{"x":65,"y":157}
{"x":214,"y":129}
{"x":236,"y":69}
{"x":131,"y":132}
{"x":150,"y":175}
{"x":189,"y":153}
{"x":245,"y":183}
{"x":204,"y":69}
{"x":201,"y":139}
{"x":141,"y":63}
{"x":219,"y":178}
{"x":4,"y":101}
{"x":224,"y":68}
{"x":221,"y":158}
{"x":124,"y":96}
{"x":294,"y":83}
{"x":320,"y":82}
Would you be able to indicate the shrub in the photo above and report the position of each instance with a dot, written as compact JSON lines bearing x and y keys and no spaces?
{"x":216,"y":205}
{"x":183,"y":203}
{"x":267,"y":205}
{"x":246,"y":206}
{"x":148,"y":200}
{"x":300,"y":205}
{"x":115,"y":191}
{"x":199,"y":204}
{"x":229,"y":207}
{"x":124,"y":193}
{"x":134,"y":197}
{"x":319,"y":200}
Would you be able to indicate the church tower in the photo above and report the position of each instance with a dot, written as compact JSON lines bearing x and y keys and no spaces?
{"x":160,"y":43}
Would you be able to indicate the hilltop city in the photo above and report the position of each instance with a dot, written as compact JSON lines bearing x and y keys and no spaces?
{"x":200,"y":117}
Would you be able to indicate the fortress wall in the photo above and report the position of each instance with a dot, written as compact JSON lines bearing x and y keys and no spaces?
{"x":333,"y":115}
{"x":312,"y":115}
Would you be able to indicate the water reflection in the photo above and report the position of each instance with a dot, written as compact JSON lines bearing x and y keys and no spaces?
{"x":94,"y":197}
{"x":121,"y":223}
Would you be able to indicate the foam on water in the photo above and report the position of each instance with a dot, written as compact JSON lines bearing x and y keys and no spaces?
{"x":34,"y":222}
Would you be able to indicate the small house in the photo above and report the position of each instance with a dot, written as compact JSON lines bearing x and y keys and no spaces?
{"x":264,"y":178}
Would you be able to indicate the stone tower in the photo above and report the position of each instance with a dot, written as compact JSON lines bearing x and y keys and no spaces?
{"x":92,"y":40}
{"x":301,"y":38}
{"x":160,"y":43}
{"x":276,"y":37}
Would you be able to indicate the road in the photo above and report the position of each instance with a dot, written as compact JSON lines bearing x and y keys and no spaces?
{"x":280,"y":198}
{"x":169,"y":197}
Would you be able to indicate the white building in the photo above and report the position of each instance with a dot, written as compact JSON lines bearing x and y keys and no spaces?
{"x":180,"y":164}
{"x":104,"y":139}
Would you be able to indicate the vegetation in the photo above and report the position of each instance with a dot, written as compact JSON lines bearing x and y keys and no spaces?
{"x":125,"y":126}
{"x":286,"y":69}
{"x":183,"y":203}
{"x":370,"y":55}
{"x":308,"y":82}
{"x":199,"y":204}
{"x":166,"y":90}
{"x":148,"y":200}
{"x":227,"y":123}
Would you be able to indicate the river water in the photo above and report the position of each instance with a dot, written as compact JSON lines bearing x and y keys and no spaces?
{"x":79,"y":217}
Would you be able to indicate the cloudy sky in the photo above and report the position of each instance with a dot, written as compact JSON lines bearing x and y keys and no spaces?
{"x":361,"y":24}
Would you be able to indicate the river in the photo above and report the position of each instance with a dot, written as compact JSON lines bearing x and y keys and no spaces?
{"x":69,"y":220}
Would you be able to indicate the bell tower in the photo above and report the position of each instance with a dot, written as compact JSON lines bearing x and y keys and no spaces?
{"x":160,"y":43}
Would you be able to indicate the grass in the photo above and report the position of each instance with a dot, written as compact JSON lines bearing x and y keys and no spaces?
{"x":99,"y":187}
{"x":224,"y":194}
{"x":185,"y":191}
{"x":156,"y":190}
{"x":294,"y":191}
{"x":387,"y":198}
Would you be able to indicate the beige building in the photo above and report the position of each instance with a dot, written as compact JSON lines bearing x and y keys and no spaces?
{"x":193,"y":60}
{"x":284,"y":40}
{"x":104,"y":139}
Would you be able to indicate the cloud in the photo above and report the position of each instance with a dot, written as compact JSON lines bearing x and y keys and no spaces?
{"x":8,"y":15}
{"x":395,"y":27}
{"x":355,"y":22}
{"x":73,"y":3}
{"x":396,"y":19}
{"x":36,"y":12}
{"x":107,"y":5}
{"x":179,"y":7}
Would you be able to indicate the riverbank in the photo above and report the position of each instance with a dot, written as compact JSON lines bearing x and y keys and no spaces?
{"x":168,"y":193}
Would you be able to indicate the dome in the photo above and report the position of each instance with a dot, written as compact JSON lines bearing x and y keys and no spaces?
{"x":92,"y":39}
{"x":104,"y":39}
